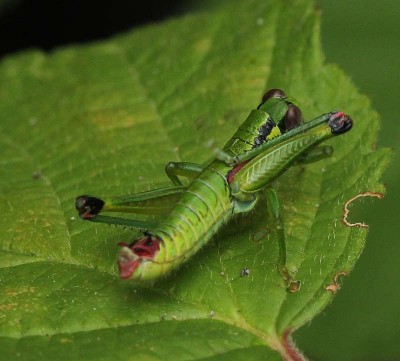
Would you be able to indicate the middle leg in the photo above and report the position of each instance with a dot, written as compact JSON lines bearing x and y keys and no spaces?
{"x":274,"y":208}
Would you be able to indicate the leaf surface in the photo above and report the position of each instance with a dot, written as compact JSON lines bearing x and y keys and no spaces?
{"x":104,"y":119}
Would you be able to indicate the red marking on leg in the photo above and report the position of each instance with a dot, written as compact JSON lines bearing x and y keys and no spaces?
{"x":231,"y":174}
{"x":87,"y":215}
{"x":339,"y":114}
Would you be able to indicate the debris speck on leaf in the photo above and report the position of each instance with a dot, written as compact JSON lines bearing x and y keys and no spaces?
{"x":334,"y":286}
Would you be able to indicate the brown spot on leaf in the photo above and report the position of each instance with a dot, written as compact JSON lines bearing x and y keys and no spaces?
{"x":334,"y":286}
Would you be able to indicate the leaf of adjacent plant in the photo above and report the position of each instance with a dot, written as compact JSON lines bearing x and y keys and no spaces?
{"x":104,"y":119}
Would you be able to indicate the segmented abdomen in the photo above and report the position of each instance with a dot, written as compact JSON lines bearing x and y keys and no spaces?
{"x":198,"y":214}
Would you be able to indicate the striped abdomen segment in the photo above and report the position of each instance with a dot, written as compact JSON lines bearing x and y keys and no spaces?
{"x":198,"y":214}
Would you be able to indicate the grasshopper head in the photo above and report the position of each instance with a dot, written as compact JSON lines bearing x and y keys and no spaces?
{"x":273,"y":93}
{"x":283,"y":109}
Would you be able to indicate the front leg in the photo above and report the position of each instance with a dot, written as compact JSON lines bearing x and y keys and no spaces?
{"x":274,"y":208}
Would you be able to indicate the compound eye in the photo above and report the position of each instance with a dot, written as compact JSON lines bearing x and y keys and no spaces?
{"x":292,"y":119}
{"x":273,"y":93}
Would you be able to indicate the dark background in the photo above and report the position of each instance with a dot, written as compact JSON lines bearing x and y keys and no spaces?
{"x":362,"y":37}
{"x":46,"y":24}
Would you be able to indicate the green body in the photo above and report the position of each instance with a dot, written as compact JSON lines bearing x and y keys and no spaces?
{"x":263,"y":147}
{"x":209,"y":201}
{"x":204,"y":206}
{"x":200,"y":211}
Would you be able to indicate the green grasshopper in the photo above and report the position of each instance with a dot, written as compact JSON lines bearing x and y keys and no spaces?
{"x":270,"y":140}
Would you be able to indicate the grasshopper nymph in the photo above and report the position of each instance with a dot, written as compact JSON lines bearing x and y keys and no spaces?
{"x":270,"y":140}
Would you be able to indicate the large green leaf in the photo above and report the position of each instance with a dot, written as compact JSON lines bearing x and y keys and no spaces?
{"x":105,"y":119}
